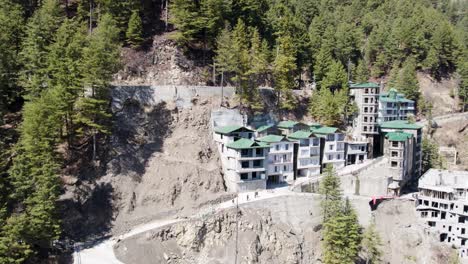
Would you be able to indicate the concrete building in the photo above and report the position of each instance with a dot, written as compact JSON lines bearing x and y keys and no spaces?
{"x":356,"y":152}
{"x":280,"y":167}
{"x":443,"y":205}
{"x":245,"y":165}
{"x":416,"y":131}
{"x":264,"y":130}
{"x":333,"y":146}
{"x":394,"y":106}
{"x":366,"y":97}
{"x":288,"y":127}
{"x":398,"y":150}
{"x":308,"y":153}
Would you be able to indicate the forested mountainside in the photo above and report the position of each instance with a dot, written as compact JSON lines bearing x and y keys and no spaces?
{"x":57,"y":59}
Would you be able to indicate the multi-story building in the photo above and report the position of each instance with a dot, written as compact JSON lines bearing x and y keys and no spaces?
{"x":416,"y":131}
{"x":333,"y":151}
{"x":443,"y":205}
{"x":288,"y":127}
{"x":244,"y":166}
{"x":280,"y":167}
{"x":398,"y":149}
{"x":366,"y":97}
{"x":356,"y":152}
{"x":308,"y":153}
{"x":264,"y":130}
{"x":394,"y":106}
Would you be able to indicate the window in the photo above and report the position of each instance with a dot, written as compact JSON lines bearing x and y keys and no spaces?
{"x":285,"y":158}
{"x":366,"y":91}
{"x":222,"y":148}
{"x":442,"y":215}
{"x":285,"y":168}
{"x":276,"y":168}
{"x":394,"y":164}
{"x":366,"y":100}
{"x":259,"y":152}
{"x":395,"y":144}
{"x":330,"y":157}
{"x":277,"y":147}
{"x":461,"y":219}
{"x":365,"y":128}
{"x":245,"y":164}
{"x":394,"y":154}
{"x":338,"y":156}
{"x":254,"y":175}
{"x":286,"y":147}
{"x":244,"y":176}
{"x":331,"y":147}
{"x":257,"y":163}
{"x":365,"y":119}
{"x":463,"y":231}
{"x":365,"y":109}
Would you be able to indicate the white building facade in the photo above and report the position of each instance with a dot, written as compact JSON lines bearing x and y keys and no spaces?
{"x":333,"y":152}
{"x":443,"y":204}
{"x":280,"y":167}
{"x":394,"y":106}
{"x":308,"y":153}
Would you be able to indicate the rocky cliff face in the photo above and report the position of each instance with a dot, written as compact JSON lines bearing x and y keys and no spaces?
{"x":213,"y":240}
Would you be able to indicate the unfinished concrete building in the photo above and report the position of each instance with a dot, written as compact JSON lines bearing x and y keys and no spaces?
{"x":394,"y":106}
{"x":443,"y":204}
{"x":333,"y":146}
{"x":280,"y":167}
{"x":308,"y":153}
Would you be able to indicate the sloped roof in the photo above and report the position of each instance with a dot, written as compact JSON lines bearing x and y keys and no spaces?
{"x":244,"y":143}
{"x":264,"y":127}
{"x":229,"y":129}
{"x":271,"y":138}
{"x":325,"y":130}
{"x":364,"y":85}
{"x":314,"y":125}
{"x":400,"y":124}
{"x":301,"y":134}
{"x":287,"y":124}
{"x":398,"y":136}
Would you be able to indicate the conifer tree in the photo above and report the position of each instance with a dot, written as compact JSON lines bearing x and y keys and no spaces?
{"x":371,"y":245}
{"x":284,"y":71}
{"x":39,"y":35}
{"x":134,"y":30}
{"x":324,"y":57}
{"x":361,"y":73}
{"x":335,"y":78}
{"x":330,"y":190}
{"x":407,"y":82}
{"x":225,"y":58}
{"x":188,"y":19}
{"x":331,"y":108}
{"x":430,"y":156}
{"x":100,"y":62}
{"x":11,"y":28}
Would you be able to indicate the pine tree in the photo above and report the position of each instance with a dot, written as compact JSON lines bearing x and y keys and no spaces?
{"x":335,"y":78}
{"x":331,"y":108}
{"x":361,"y":73}
{"x":430,"y":156}
{"x":134,"y":30}
{"x":39,"y":35}
{"x":329,"y":188}
{"x":371,"y":245}
{"x":393,"y":76}
{"x":407,"y":82}
{"x":225,"y":58}
{"x":284,"y":71}
{"x":188,"y":19}
{"x":100,"y":62}
{"x":324,"y":58}
{"x":11,"y":26}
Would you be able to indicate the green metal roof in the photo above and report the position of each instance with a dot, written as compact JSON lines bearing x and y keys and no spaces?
{"x":398,"y":136}
{"x":271,"y":138}
{"x":301,"y":134}
{"x":400,"y":124}
{"x":315,"y":125}
{"x":364,"y":85}
{"x":325,"y":130}
{"x":229,"y":129}
{"x":264,"y":127}
{"x":287,"y":124}
{"x":244,"y":143}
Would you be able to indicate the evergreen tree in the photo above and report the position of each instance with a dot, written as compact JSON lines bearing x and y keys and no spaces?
{"x":430,"y":156}
{"x":324,"y":57}
{"x":407,"y":82}
{"x":40,"y":31}
{"x":335,"y":78}
{"x":11,"y":26}
{"x":188,"y":19}
{"x":371,"y":245}
{"x":240,"y":39}
{"x":134,"y":30}
{"x":100,"y":62}
{"x":284,"y":71}
{"x":331,"y":108}
{"x":329,"y":188}
{"x":361,"y":73}
{"x":393,"y":76}
{"x":225,"y":58}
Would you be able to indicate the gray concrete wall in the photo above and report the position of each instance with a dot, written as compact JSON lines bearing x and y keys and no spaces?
{"x":152,"y":95}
